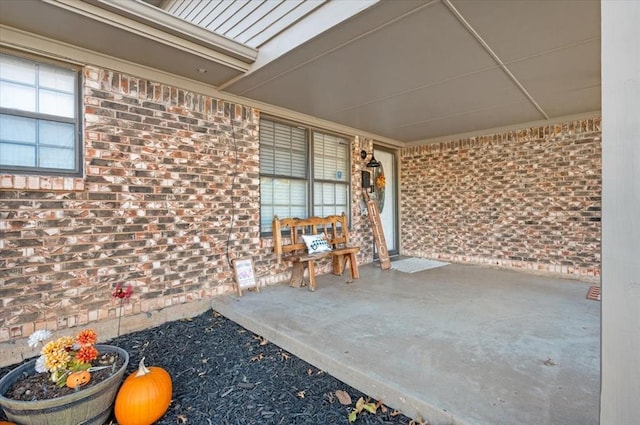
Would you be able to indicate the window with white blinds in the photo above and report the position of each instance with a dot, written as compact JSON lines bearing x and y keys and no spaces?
{"x":303,"y":172}
{"x":39,"y":122}
{"x":331,"y":175}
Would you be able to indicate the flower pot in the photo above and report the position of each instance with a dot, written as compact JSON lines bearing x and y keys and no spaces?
{"x":89,"y":406}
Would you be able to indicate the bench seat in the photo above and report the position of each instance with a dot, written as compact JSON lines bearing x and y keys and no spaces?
{"x":288,"y":246}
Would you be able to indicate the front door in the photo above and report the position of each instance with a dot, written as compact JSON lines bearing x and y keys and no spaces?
{"x":386,"y":192}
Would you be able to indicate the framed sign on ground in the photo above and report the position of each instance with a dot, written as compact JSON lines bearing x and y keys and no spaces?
{"x":245,"y":274}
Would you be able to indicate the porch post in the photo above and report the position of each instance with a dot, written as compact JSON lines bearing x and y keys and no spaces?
{"x":620,"y":345}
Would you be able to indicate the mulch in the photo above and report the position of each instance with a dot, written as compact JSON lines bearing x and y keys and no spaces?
{"x":224,"y":374}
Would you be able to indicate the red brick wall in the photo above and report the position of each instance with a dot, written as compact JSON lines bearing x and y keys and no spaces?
{"x":166,"y":171}
{"x":162,"y":183}
{"x":525,"y":199}
{"x":163,"y":180}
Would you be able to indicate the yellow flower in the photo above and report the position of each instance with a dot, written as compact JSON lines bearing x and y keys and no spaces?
{"x":381,"y":181}
{"x":56,"y":359}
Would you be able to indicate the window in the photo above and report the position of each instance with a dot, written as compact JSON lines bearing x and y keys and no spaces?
{"x":331,"y":174}
{"x":39,"y":123}
{"x":303,"y":172}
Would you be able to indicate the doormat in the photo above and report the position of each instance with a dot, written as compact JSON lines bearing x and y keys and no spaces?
{"x":593,"y":293}
{"x":413,"y":265}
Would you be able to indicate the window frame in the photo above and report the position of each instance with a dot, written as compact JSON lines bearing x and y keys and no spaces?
{"x":310,"y":170}
{"x":77,"y":121}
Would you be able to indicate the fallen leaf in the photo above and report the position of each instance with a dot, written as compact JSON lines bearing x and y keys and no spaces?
{"x":343,"y":397}
{"x":182,"y":419}
{"x":263,"y":341}
{"x":285,"y":355}
{"x":395,"y":413}
{"x":309,"y":372}
{"x":353,"y":416}
{"x":359,"y":404}
{"x":301,"y":394}
{"x":549,"y":362}
{"x":381,"y":406}
{"x":370,"y":407}
{"x":257,"y":357}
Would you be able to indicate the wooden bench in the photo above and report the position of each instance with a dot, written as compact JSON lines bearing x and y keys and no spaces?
{"x":288,"y":245}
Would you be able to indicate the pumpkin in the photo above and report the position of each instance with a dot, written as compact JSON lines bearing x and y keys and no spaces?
{"x":78,"y":379}
{"x":144,"y":396}
{"x":7,"y":423}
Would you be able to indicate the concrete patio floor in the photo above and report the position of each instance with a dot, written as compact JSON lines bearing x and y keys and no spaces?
{"x":457,"y":344}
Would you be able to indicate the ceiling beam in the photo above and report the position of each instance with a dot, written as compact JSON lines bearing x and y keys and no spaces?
{"x":495,"y":57}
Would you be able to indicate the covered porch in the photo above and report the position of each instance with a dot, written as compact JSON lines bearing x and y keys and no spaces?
{"x":459,"y":344}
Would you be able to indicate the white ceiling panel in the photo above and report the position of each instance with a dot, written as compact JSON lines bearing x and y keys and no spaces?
{"x":517,"y":29}
{"x":549,"y":77}
{"x":505,"y":115}
{"x":405,"y":55}
{"x":405,"y":70}
{"x":571,"y":102}
{"x":482,"y":90}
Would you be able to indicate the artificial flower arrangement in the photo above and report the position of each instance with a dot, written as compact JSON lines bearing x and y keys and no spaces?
{"x":67,"y":359}
{"x":381,"y":181}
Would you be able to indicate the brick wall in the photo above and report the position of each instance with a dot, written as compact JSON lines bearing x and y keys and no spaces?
{"x":166,"y":173}
{"x":170,"y":193}
{"x":525,"y":199}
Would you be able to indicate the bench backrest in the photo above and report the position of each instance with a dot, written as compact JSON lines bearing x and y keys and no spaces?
{"x":287,"y":232}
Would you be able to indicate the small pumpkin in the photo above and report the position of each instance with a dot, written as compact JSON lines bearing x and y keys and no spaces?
{"x":78,"y":379}
{"x":144,"y":396}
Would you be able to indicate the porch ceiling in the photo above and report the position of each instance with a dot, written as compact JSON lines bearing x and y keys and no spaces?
{"x":408,"y":70}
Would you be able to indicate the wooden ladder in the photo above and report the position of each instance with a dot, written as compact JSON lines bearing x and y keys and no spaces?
{"x":378,"y":233}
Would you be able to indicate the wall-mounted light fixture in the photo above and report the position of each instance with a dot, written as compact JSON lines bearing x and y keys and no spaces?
{"x":373,"y":162}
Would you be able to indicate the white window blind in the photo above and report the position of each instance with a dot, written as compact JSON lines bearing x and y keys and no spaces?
{"x":283,"y":172}
{"x":287,"y":187}
{"x":331,"y":174}
{"x":38,"y":117}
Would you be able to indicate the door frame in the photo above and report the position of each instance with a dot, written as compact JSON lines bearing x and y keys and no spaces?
{"x":394,"y":202}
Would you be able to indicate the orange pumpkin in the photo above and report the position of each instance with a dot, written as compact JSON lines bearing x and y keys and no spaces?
{"x":144,"y":396}
{"x":7,"y":423}
{"x":78,"y":379}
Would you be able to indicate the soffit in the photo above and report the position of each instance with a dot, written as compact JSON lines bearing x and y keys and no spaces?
{"x":248,"y":22}
{"x":95,"y":28}
{"x":409,"y":70}
{"x":438,"y":68}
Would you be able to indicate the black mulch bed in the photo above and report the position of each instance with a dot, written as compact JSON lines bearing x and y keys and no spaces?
{"x":225,"y":374}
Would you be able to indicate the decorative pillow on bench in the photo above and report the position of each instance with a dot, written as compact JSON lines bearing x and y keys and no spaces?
{"x":316,"y":243}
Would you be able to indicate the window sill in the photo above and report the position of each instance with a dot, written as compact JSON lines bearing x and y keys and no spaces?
{"x":55,"y":183}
